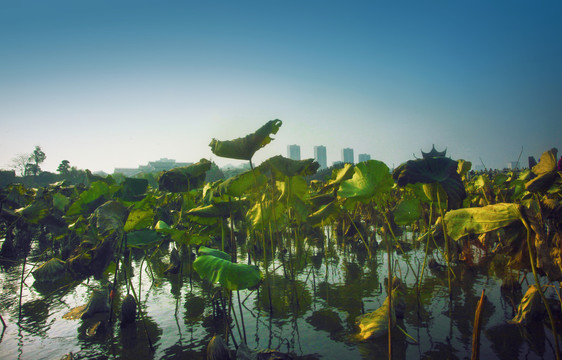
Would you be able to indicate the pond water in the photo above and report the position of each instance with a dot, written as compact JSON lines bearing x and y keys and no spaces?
{"x":310,"y":317}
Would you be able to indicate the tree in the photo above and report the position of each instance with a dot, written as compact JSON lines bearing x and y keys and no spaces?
{"x":19,"y":163}
{"x":64,"y":167}
{"x":36,"y":158}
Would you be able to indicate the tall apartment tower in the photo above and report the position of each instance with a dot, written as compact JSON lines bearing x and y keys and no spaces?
{"x":364,"y":157}
{"x":347,"y":155}
{"x":320,"y":156}
{"x":294,"y":152}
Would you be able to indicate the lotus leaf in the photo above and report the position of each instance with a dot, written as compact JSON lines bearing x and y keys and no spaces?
{"x":110,"y":216}
{"x":480,"y":220}
{"x":132,"y":189}
{"x":128,"y":310}
{"x":463,"y":167}
{"x":370,"y":179}
{"x":143,"y":238}
{"x":262,"y":213}
{"x":531,"y":307}
{"x":338,"y":176}
{"x":435,"y":169}
{"x":293,"y":187}
{"x":60,"y":202}
{"x":407,"y":211}
{"x":238,"y":185}
{"x":98,"y":190}
{"x":282,"y":166}
{"x":51,"y":271}
{"x":139,"y":219}
{"x":203,"y":250}
{"x":219,"y":209}
{"x":184,"y":178}
{"x":230,"y":275}
{"x":375,"y":324}
{"x":546,"y":172}
{"x":245,"y":148}
{"x":35,"y":212}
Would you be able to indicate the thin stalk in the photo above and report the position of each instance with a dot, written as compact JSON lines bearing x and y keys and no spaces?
{"x":399,"y":246}
{"x":241,"y":316}
{"x":140,"y":311}
{"x":389,"y":260}
{"x":360,"y":234}
{"x":448,"y":257}
{"x":426,"y":252}
{"x":476,"y":329}
{"x":21,"y":286}
{"x":532,"y":260}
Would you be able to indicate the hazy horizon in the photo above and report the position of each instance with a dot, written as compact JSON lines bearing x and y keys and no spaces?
{"x":106,"y":85}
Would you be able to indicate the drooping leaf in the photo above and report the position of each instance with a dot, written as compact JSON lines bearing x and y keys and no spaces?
{"x":530,"y":309}
{"x":463,"y":167}
{"x":282,"y":166}
{"x":265,"y":212}
{"x":184,"y":178}
{"x":245,"y":148}
{"x":50,"y":271}
{"x":462,"y":222}
{"x":338,"y":176}
{"x":407,"y":211}
{"x":370,"y":179}
{"x":35,"y":211}
{"x":230,"y":275}
{"x":375,"y":324}
{"x":292,"y":187}
{"x":433,"y":169}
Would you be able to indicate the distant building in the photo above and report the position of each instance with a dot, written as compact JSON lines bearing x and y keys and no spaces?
{"x":320,"y":156}
{"x":513,"y":165}
{"x":294,"y":152}
{"x":363,"y":157}
{"x":164,"y":164}
{"x":347,"y":155}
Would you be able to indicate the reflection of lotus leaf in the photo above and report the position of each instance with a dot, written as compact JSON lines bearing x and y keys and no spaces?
{"x":287,"y":298}
{"x":194,"y":307}
{"x":327,"y":320}
{"x":51,"y":271}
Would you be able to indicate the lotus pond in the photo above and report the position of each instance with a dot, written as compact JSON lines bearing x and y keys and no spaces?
{"x":427,"y":261}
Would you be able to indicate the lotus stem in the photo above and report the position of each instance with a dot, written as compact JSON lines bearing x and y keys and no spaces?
{"x":389,"y":260}
{"x":360,"y":234}
{"x":241,"y":316}
{"x":21,"y":286}
{"x":476,"y":329}
{"x":448,"y":257}
{"x":140,"y":311}
{"x":539,"y":288}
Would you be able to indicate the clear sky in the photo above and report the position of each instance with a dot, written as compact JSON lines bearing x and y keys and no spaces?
{"x":108,"y":84}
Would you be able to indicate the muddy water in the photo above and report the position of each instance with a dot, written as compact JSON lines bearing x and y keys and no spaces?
{"x":311,"y":317}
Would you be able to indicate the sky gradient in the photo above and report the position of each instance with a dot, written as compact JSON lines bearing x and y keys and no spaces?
{"x":108,"y":84}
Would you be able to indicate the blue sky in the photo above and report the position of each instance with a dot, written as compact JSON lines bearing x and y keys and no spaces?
{"x":108,"y":84}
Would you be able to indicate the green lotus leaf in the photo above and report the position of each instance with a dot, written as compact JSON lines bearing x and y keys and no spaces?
{"x":261,"y":214}
{"x":433,"y":169}
{"x":219,"y":209}
{"x":370,"y":179}
{"x":144,"y":238}
{"x":292,"y":187}
{"x":245,"y":148}
{"x":60,"y":202}
{"x":282,"y":166}
{"x":546,"y":172}
{"x":35,"y":212}
{"x":338,"y":176}
{"x":132,"y":189}
{"x":325,"y":215}
{"x":110,"y":216}
{"x":51,"y":271}
{"x":462,"y":222}
{"x":238,"y":185}
{"x":203,"y":250}
{"x":184,"y":178}
{"x":139,"y":219}
{"x":463,"y":167}
{"x":94,"y":195}
{"x":531,"y":307}
{"x":375,"y":324}
{"x":407,"y":211}
{"x":230,"y":275}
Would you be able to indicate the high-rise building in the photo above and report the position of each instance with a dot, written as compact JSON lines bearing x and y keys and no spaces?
{"x":363,"y":157}
{"x":294,"y":152}
{"x":320,"y":156}
{"x":347,"y":155}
